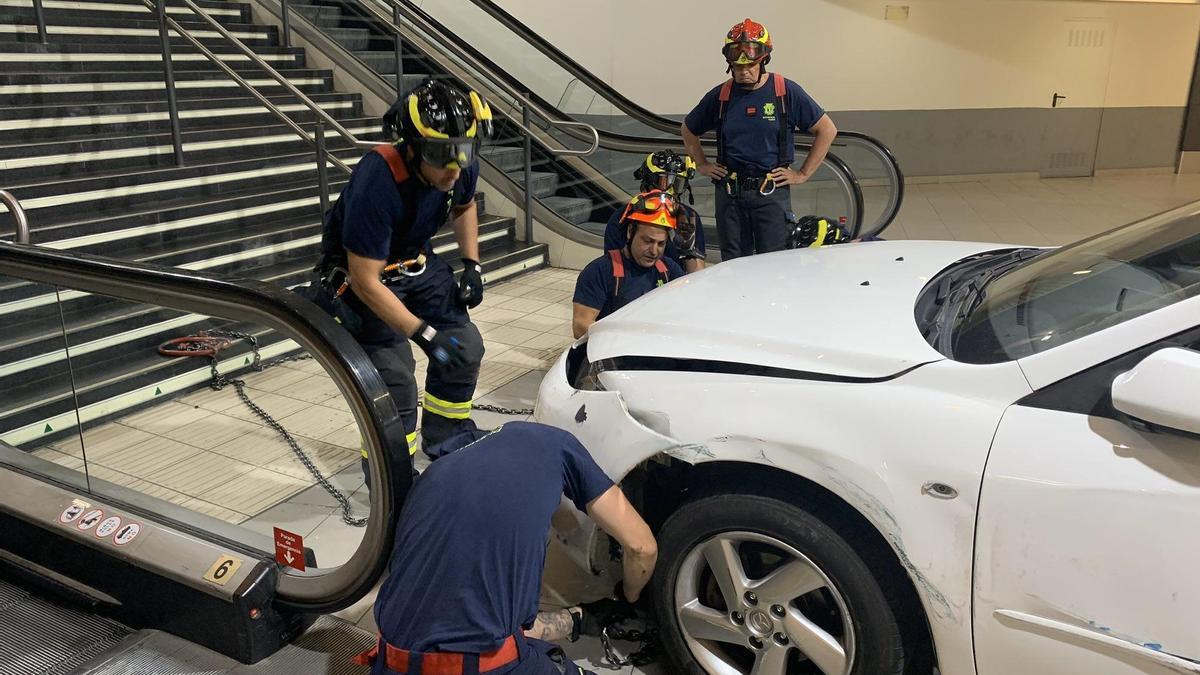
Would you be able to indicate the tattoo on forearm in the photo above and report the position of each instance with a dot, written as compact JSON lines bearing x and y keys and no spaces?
{"x":552,"y":626}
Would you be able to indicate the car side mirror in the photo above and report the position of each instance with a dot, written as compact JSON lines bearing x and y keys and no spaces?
{"x":1163,"y":390}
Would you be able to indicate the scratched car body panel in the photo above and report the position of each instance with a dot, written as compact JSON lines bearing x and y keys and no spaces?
{"x":1066,"y":543}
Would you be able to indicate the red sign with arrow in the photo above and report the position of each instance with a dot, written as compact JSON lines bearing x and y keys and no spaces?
{"x":289,"y":549}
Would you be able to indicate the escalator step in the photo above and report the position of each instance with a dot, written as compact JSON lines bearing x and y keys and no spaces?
{"x":574,"y":210}
{"x":544,"y":183}
{"x":38,"y":637}
{"x":353,"y":39}
{"x":505,"y":158}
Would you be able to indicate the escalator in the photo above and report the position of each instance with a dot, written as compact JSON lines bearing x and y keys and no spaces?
{"x":162,"y":521}
{"x":534,"y":86}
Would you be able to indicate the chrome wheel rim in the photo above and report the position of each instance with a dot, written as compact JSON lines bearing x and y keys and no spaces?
{"x":750,"y":603}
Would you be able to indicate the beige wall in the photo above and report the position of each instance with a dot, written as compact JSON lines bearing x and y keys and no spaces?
{"x":949,"y":54}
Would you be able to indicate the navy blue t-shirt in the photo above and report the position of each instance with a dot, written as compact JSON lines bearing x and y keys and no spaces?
{"x":614,"y":235}
{"x":595,"y":286}
{"x":751,"y":127}
{"x":471,"y":541}
{"x":373,"y":209}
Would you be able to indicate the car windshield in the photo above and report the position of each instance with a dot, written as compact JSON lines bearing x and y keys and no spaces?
{"x":1080,"y":289}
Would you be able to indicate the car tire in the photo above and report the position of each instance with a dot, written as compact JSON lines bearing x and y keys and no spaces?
{"x":841,"y":603}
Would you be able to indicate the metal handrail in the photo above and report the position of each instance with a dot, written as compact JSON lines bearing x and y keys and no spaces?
{"x":435,"y":31}
{"x":667,"y":125}
{"x":495,"y":80}
{"x":283,"y":81}
{"x":257,"y":60}
{"x":18,"y":212}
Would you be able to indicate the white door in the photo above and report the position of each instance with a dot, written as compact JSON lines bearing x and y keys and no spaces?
{"x":1088,"y":542}
{"x":1076,"y":101}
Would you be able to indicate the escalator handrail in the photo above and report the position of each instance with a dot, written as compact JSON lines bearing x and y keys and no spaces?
{"x":666,"y":124}
{"x":434,"y":30}
{"x":278,"y":308}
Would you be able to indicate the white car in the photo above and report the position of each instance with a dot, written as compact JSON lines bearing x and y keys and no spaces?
{"x":886,"y":457}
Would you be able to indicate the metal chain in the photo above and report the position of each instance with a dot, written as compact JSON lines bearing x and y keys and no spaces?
{"x":501,"y":410}
{"x":220,"y":381}
{"x":646,"y":654}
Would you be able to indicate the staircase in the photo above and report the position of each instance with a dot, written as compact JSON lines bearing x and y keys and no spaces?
{"x":85,"y":145}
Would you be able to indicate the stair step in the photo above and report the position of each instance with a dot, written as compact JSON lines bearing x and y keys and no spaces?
{"x":148,"y":86}
{"x":70,"y":28}
{"x":574,"y":210}
{"x":78,"y":158}
{"x":33,"y":123}
{"x":61,"y":201}
{"x":175,"y":8}
{"x":35,"y":56}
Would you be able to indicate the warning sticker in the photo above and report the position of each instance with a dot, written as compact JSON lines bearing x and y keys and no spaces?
{"x":108,"y":526}
{"x":289,"y":549}
{"x":71,"y":513}
{"x":89,"y":519}
{"x":126,"y":534}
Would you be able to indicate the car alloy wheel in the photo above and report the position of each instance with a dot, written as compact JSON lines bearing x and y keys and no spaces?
{"x":726,"y":609}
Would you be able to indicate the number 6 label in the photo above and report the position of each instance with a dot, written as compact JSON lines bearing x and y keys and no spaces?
{"x":223,"y":570}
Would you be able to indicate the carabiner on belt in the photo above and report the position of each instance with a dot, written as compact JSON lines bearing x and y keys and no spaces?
{"x":414,"y":267}
{"x":762,"y":189}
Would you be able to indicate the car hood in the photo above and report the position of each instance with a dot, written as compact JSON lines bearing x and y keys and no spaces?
{"x":843,"y":311}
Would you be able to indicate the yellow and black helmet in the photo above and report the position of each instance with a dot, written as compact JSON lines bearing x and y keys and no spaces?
{"x":667,"y":171}
{"x":815,"y":232}
{"x":443,"y":125}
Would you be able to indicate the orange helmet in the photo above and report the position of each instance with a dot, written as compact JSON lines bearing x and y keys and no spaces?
{"x":747,"y":43}
{"x":653,"y":208}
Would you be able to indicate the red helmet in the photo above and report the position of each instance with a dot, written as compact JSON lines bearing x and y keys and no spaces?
{"x":653,"y":208}
{"x":747,"y":43}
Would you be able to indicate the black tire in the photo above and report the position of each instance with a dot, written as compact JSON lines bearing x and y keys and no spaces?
{"x":879,"y":646}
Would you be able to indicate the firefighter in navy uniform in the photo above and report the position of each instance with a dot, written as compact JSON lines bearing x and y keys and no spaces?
{"x":620,"y":276}
{"x":755,"y":115}
{"x":462,"y":591}
{"x":672,"y":173}
{"x":376,"y":250}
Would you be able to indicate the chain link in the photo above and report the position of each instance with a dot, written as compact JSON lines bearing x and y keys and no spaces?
{"x":220,"y":381}
{"x":646,"y":654}
{"x":485,"y":407}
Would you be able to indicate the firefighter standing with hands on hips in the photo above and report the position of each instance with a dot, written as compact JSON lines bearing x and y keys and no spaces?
{"x":755,"y":115}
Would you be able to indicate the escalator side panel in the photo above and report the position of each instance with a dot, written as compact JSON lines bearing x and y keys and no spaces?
{"x":157,"y":579}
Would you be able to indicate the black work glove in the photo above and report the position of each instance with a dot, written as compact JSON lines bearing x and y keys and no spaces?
{"x":470,"y":284}
{"x":601,"y":613}
{"x":445,"y":349}
{"x":685,"y":235}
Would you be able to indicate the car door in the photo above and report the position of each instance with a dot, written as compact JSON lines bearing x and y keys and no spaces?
{"x":1088,"y":535}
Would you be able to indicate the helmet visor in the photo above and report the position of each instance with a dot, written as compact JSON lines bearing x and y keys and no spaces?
{"x":744,"y":53}
{"x":671,"y":183}
{"x":449,"y":153}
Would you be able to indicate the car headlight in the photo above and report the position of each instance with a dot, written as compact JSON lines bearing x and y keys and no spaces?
{"x":582,"y":373}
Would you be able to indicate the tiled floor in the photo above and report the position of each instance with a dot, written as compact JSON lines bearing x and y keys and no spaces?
{"x":207,"y":452}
